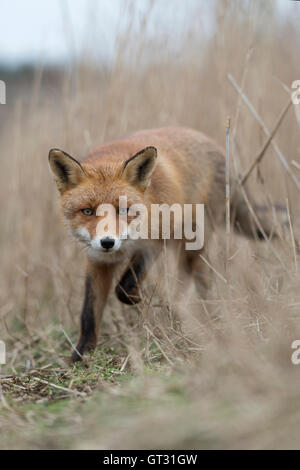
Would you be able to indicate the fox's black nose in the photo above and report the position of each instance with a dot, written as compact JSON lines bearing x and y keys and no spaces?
{"x":107,"y":243}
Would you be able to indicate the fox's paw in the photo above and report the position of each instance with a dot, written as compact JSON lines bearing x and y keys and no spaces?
{"x":127,"y":297}
{"x":81,"y":348}
{"x":76,"y":356}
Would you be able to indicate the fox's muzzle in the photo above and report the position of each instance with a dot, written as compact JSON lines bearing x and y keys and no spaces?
{"x":107,"y":243}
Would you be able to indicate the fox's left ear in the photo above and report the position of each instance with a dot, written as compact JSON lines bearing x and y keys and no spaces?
{"x":139,"y":168}
{"x":67,"y":171}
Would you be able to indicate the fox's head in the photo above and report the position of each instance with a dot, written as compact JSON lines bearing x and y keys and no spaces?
{"x":91,"y":195}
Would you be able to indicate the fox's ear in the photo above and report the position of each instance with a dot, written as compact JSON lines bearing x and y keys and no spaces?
{"x":67,"y":171}
{"x":139,"y":168}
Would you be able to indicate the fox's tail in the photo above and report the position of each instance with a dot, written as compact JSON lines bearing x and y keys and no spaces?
{"x":255,"y":220}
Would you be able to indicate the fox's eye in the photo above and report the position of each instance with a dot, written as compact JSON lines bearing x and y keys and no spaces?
{"x":123,"y":210}
{"x":87,"y":211}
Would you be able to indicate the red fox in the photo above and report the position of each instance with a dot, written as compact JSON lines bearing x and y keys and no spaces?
{"x":159,"y":166}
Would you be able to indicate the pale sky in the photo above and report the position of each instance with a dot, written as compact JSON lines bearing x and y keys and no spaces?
{"x":55,"y":30}
{"x":52,"y":30}
{"x":41,"y":29}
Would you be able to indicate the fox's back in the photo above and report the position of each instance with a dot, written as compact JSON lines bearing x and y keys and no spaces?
{"x":190,"y":165}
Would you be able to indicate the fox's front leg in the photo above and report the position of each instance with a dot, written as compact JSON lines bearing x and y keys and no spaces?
{"x":97,"y":285}
{"x":127,"y":290}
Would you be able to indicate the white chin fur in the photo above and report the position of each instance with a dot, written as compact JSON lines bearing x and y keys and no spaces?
{"x":97,"y":253}
{"x":101,"y":256}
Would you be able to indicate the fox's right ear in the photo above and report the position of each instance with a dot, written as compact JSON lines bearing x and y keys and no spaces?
{"x":67,"y":171}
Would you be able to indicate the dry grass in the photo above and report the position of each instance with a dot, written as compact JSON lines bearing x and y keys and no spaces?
{"x":220,"y":375}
